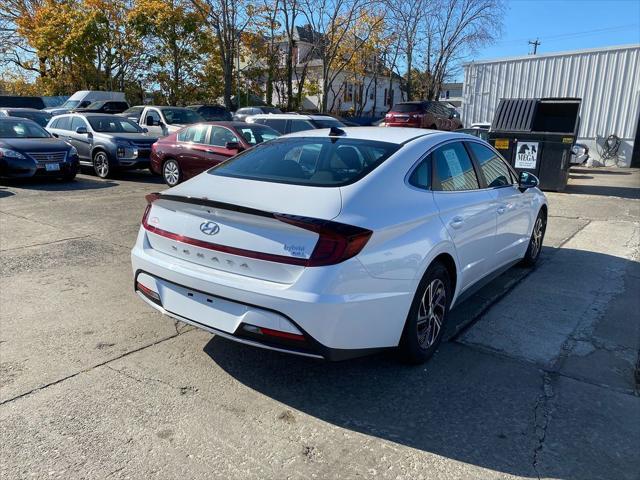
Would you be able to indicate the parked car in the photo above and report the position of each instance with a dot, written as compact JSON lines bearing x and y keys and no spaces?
{"x":431,"y":115}
{"x":84,"y":98}
{"x":199,"y":147}
{"x":295,"y":122}
{"x":212,"y":113}
{"x":27,"y":150}
{"x":133,"y":113}
{"x":242,"y":113}
{"x":103,"y":106}
{"x":18,"y":101}
{"x":482,"y":133}
{"x":338,"y":244}
{"x":38,"y":116}
{"x":161,"y":121}
{"x":105,"y":142}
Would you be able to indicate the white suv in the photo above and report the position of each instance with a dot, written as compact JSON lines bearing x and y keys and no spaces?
{"x":294,"y":122}
{"x":336,"y":243}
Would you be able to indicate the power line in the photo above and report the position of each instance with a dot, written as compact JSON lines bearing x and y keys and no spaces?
{"x":584,"y":33}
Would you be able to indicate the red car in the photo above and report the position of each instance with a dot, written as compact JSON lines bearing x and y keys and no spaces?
{"x":198,"y":147}
{"x":423,"y":114}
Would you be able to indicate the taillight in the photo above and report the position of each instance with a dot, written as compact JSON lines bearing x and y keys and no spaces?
{"x":150,"y":198}
{"x":337,"y":242}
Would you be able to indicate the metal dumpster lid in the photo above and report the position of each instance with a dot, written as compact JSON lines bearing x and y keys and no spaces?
{"x":517,"y":114}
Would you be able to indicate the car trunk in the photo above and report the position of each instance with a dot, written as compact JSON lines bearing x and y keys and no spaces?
{"x":240,"y":226}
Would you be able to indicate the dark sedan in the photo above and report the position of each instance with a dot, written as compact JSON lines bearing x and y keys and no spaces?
{"x":198,"y":147}
{"x":27,"y":150}
{"x":212,"y":113}
{"x":105,"y":142}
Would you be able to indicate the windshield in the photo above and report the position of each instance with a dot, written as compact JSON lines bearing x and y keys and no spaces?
{"x":41,"y":118}
{"x":328,"y":123}
{"x":314,"y":161}
{"x":22,"y":129}
{"x":182,"y":116}
{"x":109,"y":124}
{"x":407,"y":107}
{"x":257,"y":134}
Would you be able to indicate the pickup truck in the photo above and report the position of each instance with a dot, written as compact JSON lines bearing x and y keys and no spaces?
{"x":161,"y":121}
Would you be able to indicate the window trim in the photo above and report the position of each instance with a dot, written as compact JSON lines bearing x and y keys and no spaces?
{"x":474,"y":159}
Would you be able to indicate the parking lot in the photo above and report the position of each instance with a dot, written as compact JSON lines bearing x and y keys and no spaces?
{"x":536,"y":380}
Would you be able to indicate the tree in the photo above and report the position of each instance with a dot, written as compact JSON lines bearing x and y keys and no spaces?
{"x":226,"y":20}
{"x":457,"y":28}
{"x":172,"y":32}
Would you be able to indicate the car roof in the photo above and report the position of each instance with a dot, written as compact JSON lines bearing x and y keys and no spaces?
{"x":384,"y":134}
{"x":16,"y":119}
{"x":229,"y":123}
{"x":292,"y":116}
{"x":22,"y":109}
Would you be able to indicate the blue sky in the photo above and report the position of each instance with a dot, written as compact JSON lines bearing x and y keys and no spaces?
{"x":564,"y":25}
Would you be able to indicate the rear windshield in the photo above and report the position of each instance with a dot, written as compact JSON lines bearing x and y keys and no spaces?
{"x":182,"y":116}
{"x":41,"y":118}
{"x":314,"y":161}
{"x":407,"y":107}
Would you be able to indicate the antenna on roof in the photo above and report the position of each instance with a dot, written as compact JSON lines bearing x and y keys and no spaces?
{"x":336,"y":132}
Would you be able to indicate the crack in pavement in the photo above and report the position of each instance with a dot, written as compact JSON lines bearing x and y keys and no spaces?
{"x":44,"y":243}
{"x":183,"y":389}
{"x":541,"y":419}
{"x":88,"y":369}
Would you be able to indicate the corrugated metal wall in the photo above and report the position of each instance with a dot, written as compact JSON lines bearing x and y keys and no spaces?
{"x":607,"y":81}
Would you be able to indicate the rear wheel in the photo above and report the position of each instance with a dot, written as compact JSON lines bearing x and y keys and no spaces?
{"x":424,"y":326}
{"x":535,"y":242}
{"x":101,"y":164}
{"x":171,"y":172}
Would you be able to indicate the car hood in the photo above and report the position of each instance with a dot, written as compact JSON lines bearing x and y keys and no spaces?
{"x":133,"y":137}
{"x":34,"y":144}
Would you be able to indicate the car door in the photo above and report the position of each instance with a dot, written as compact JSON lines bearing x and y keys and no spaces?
{"x":467,"y":211}
{"x":218,"y":139}
{"x":82,"y":141}
{"x":152,"y":120}
{"x":194,"y":151}
{"x":513,"y":207}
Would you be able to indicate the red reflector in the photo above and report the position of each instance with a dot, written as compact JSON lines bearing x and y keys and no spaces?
{"x":147,"y":291}
{"x":280,"y":334}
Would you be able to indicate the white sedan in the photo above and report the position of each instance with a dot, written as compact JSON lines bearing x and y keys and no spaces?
{"x":338,"y":243}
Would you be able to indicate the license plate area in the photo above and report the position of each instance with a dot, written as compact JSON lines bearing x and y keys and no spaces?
{"x":52,"y":167}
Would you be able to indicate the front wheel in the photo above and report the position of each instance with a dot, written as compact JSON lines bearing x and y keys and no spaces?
{"x":424,"y":326}
{"x":535,"y":242}
{"x":101,"y":165}
{"x":171,"y":172}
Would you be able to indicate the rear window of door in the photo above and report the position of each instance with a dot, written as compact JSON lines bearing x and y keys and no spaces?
{"x":299,"y":125}
{"x":454,"y":169}
{"x":195,"y":134}
{"x":495,"y":171}
{"x":64,"y":123}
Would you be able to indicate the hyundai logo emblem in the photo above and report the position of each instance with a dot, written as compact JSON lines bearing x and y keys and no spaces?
{"x":209,"y":228}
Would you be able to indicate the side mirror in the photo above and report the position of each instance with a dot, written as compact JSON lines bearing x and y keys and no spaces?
{"x":527,"y":180}
{"x":233,"y":146}
{"x":81,"y":130}
{"x":149,"y":121}
{"x":145,"y":130}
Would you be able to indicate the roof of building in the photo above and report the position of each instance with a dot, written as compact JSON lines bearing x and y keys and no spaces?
{"x":552,"y":54}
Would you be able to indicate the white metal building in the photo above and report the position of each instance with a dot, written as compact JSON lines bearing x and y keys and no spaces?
{"x":606,"y":79}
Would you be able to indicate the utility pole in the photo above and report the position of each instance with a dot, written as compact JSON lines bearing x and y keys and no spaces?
{"x":535,"y":44}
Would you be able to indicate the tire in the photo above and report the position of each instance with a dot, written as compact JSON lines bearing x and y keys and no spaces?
{"x":425,"y":322}
{"x":171,"y":172}
{"x":535,"y":242}
{"x":101,"y":165}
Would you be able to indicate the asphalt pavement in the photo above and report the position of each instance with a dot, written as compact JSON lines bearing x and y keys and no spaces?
{"x":536,"y":379}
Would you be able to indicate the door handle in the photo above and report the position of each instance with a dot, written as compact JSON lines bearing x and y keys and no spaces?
{"x":456,"y":222}
{"x":501,"y":209}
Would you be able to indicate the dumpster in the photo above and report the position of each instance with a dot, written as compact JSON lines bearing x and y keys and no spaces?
{"x":536,"y":135}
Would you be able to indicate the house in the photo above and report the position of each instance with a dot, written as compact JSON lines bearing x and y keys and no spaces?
{"x":369,"y":94}
{"x":452,"y":93}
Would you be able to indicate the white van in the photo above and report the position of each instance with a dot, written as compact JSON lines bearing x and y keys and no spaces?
{"x":83,"y":98}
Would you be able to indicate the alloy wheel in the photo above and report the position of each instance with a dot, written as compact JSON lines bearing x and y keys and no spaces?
{"x":101,"y":165}
{"x":431,"y":313}
{"x":171,"y":173}
{"x":536,"y":238}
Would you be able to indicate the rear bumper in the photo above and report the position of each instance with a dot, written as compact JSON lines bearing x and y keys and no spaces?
{"x":335,"y":326}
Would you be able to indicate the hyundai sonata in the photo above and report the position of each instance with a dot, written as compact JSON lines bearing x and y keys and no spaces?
{"x":337,"y":243}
